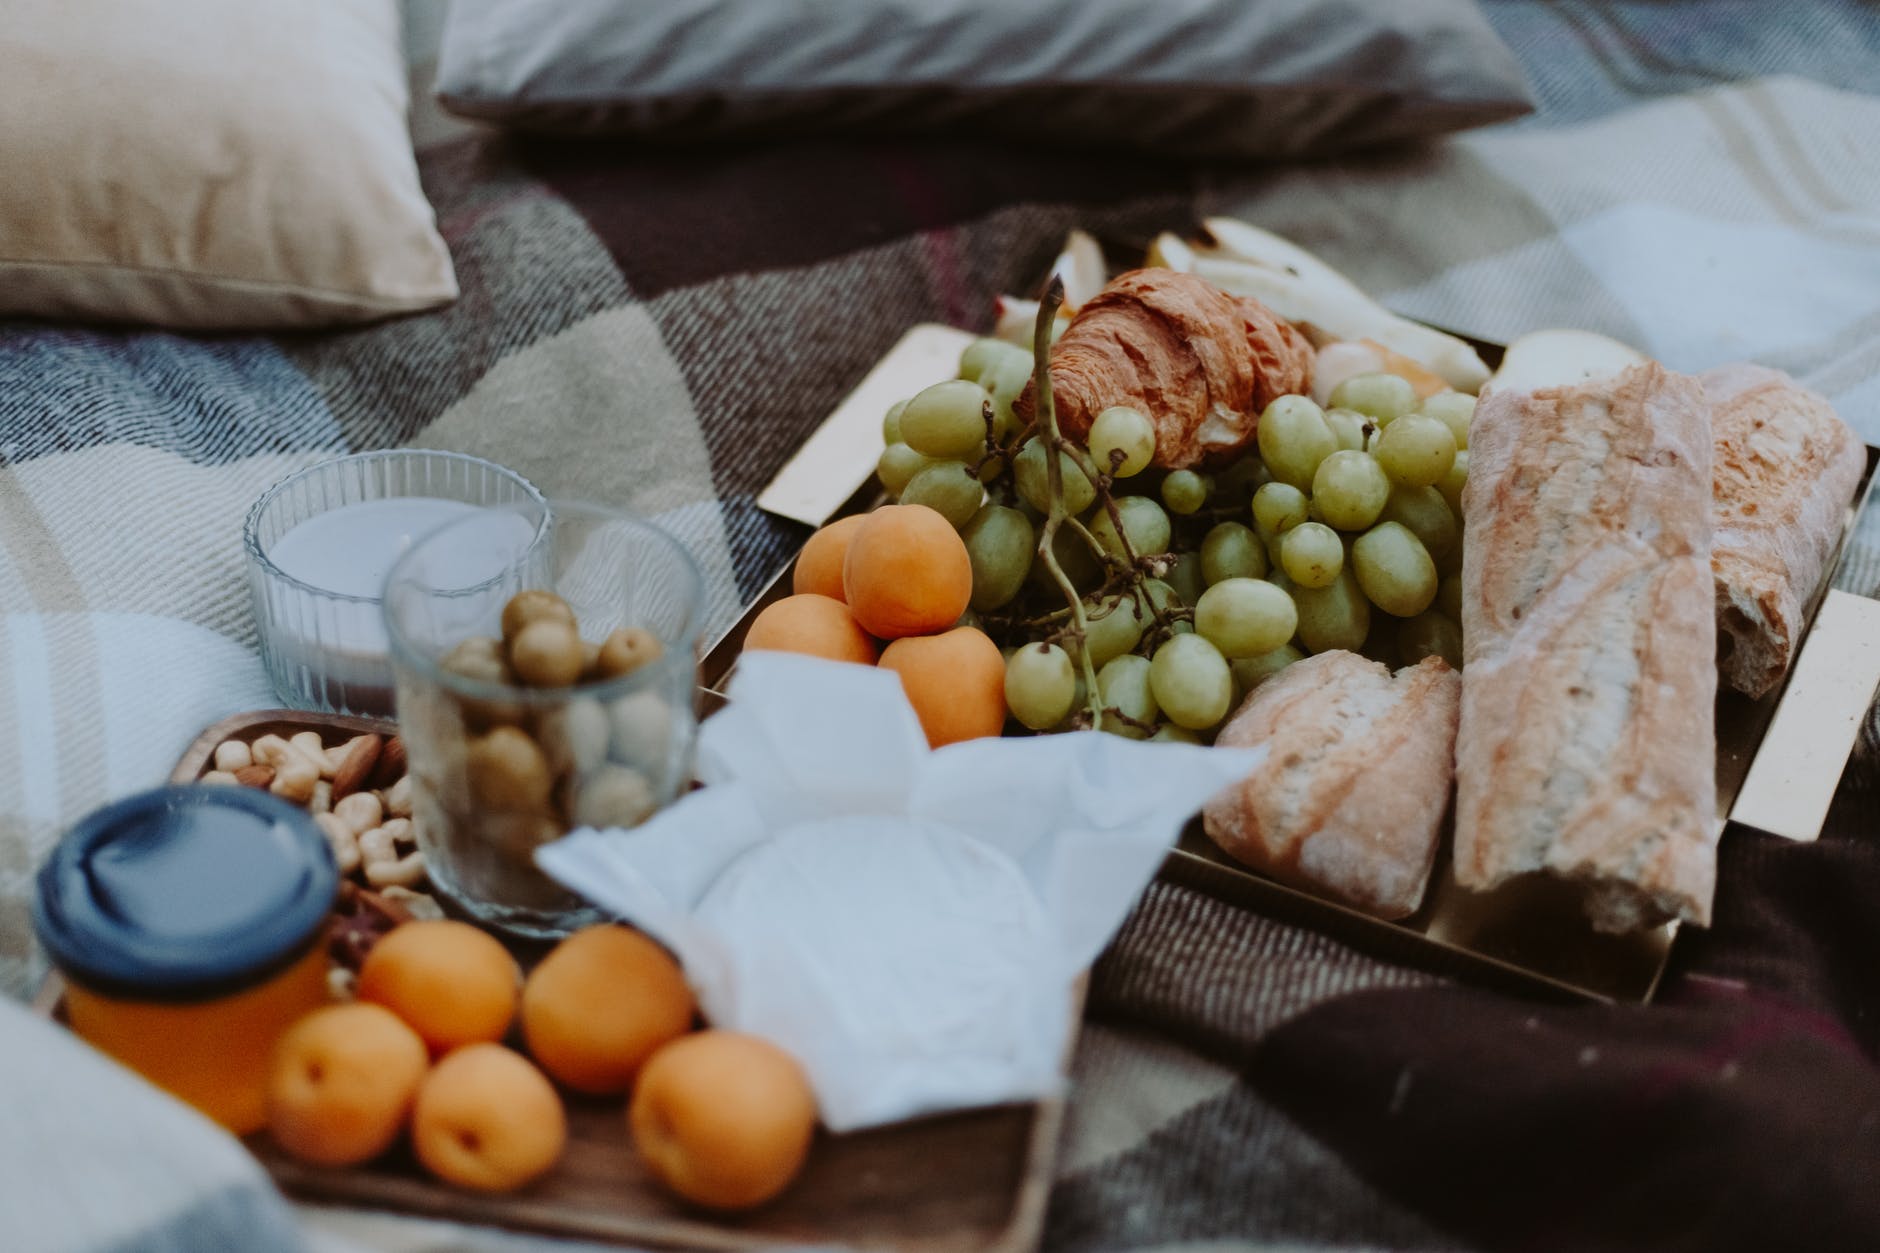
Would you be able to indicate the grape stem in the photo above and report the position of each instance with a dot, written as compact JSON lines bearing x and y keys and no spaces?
{"x":1048,"y":304}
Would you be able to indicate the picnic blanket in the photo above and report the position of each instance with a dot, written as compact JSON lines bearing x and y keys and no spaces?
{"x":661,"y":329}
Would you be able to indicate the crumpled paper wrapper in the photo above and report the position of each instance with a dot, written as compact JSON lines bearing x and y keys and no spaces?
{"x":907,"y":923}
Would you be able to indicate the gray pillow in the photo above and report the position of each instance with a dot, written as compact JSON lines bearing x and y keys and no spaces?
{"x":1215,"y":78}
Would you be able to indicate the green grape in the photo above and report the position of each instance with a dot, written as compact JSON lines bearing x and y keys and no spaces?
{"x":1169,"y":733}
{"x":946,"y":420}
{"x":970,"y":619}
{"x":1381,"y":644}
{"x":949,"y":489}
{"x":1430,"y":634}
{"x":1238,"y":482}
{"x":1184,"y":491}
{"x":990,"y":356}
{"x":1449,"y":597}
{"x":1157,"y":597}
{"x":1337,"y":616}
{"x":1349,"y":429}
{"x":1452,"y":482}
{"x":1186,"y":578}
{"x":999,"y":543}
{"x":1251,"y":672}
{"x":1245,"y":617}
{"x":1191,"y":682}
{"x":1031,"y":475}
{"x":1040,"y":685}
{"x":1350,"y":490}
{"x":891,"y":423}
{"x":1144,"y":525}
{"x":1113,"y":625}
{"x":1394,"y":569}
{"x":1074,"y":557}
{"x":1005,"y":381}
{"x":897,"y":467}
{"x":1123,"y":684}
{"x":1416,"y":450}
{"x":1121,"y":441}
{"x":1453,"y":410}
{"x":1424,"y":511}
{"x":1293,"y":438}
{"x":1278,"y":508}
{"x":1231,"y":551}
{"x":1385,"y":397}
{"x":1311,"y":554}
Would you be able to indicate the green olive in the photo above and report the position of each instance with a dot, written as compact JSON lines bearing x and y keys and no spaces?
{"x":508,"y":772}
{"x":617,"y":796}
{"x":530,"y":606}
{"x":626,"y":650}
{"x":547,"y":653}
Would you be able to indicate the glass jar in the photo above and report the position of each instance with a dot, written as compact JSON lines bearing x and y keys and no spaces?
{"x":190,"y":923}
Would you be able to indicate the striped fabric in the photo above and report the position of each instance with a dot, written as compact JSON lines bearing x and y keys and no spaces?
{"x":660,"y":328}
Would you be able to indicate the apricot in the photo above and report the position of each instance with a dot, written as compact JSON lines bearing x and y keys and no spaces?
{"x":809,"y":623}
{"x":451,"y":982}
{"x":487,"y":1119}
{"x":819,"y":565}
{"x":342,"y":1084}
{"x":955,"y":681}
{"x":907,"y":572}
{"x":723,"y":1119}
{"x":598,"y":1006}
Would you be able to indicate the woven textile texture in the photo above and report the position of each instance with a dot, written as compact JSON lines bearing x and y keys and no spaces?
{"x":661,"y":329}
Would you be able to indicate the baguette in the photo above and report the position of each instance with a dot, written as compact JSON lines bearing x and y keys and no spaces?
{"x":1786,"y":466}
{"x":1587,"y":746}
{"x":1350,"y":799}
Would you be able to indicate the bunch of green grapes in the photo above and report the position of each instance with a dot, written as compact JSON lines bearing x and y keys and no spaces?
{"x":1342,"y":532}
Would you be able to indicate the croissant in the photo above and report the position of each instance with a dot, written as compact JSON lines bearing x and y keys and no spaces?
{"x":1198,"y":363}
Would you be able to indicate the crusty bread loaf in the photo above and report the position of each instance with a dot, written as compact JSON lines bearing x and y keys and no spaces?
{"x":1588,"y":740}
{"x":1786,"y":467}
{"x":1350,"y":798}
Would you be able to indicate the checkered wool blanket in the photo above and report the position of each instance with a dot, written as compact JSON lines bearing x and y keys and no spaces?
{"x":660,"y":330}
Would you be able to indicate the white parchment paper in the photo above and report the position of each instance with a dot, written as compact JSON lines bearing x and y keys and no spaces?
{"x":907,"y":923}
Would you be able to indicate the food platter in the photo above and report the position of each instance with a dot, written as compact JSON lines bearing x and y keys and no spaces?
{"x":1531,"y":932}
{"x":975,"y":1180}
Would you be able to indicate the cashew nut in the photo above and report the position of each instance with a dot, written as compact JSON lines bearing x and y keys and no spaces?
{"x":360,"y":811}
{"x":404,"y":872}
{"x":310,"y":746}
{"x":271,"y":750}
{"x":400,"y":830}
{"x":340,"y":838}
{"x":417,"y":904}
{"x":232,"y":755}
{"x":398,"y":798}
{"x":322,"y":802}
{"x":377,"y":845}
{"x":294,"y":778}
{"x":220,"y":776}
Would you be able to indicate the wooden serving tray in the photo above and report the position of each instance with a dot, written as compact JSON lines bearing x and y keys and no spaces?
{"x":976,"y":1180}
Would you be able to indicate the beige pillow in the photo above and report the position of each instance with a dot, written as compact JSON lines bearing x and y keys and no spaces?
{"x":211,"y":164}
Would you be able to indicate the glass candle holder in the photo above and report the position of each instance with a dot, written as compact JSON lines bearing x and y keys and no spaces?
{"x":499,"y":767}
{"x":319,"y":544}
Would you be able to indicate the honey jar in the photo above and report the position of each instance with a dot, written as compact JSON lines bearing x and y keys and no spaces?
{"x":189,"y":924}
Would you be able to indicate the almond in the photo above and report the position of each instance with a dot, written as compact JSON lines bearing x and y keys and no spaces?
{"x":356,"y":764}
{"x":255,"y":776}
{"x":391,"y":767}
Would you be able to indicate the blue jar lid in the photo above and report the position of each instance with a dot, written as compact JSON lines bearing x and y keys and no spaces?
{"x":185,"y":892}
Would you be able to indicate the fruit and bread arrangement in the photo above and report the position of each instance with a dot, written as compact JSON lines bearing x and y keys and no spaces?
{"x":1220,"y":499}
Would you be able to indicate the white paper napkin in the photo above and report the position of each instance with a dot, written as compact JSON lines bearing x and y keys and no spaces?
{"x":907,"y":923}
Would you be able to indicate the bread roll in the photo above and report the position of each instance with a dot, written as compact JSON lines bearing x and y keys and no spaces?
{"x":1349,"y":801}
{"x":1786,"y":467}
{"x":1587,"y":746}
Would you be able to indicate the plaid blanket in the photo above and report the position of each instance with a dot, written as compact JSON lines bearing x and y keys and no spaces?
{"x":661,"y":329}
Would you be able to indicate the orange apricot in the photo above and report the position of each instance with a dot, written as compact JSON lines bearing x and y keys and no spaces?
{"x":453,"y":983}
{"x":819,"y":565}
{"x":343,"y":1082}
{"x":955,"y":681}
{"x":487,"y":1119}
{"x":907,"y":572}
{"x":723,"y":1119}
{"x":813,"y":624}
{"x":599,"y":1004}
